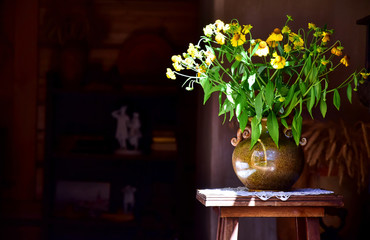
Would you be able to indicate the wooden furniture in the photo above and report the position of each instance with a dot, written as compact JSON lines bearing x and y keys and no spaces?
{"x":306,"y":209}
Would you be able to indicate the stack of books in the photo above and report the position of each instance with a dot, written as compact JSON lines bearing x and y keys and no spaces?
{"x":164,"y":141}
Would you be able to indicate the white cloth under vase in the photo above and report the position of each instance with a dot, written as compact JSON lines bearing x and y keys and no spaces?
{"x":264,"y":195}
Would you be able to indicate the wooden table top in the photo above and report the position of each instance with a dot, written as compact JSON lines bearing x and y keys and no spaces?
{"x":222,"y":200}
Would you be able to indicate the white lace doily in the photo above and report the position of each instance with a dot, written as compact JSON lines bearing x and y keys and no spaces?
{"x":263,"y":195}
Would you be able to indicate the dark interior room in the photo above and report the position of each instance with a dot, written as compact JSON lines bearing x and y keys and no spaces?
{"x":97,"y":143}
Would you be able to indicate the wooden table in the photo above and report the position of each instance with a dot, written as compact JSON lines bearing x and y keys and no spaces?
{"x":306,"y":209}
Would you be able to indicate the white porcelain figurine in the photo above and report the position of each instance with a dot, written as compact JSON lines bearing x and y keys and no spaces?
{"x":135,"y":133}
{"x":123,"y":122}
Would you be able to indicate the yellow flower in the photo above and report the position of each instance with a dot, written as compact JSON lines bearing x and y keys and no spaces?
{"x":285,"y":29}
{"x":219,"y":25}
{"x":345,"y":60}
{"x":311,"y":26}
{"x":278,"y":62}
{"x":226,"y":27}
{"x":324,"y":62}
{"x":170,"y":74}
{"x":238,"y":39}
{"x":234,"y":27}
{"x":189,"y":62}
{"x":176,"y":58}
{"x":287,"y":48}
{"x":272,"y":44}
{"x":247,"y":29}
{"x":263,"y":49}
{"x":220,"y":38}
{"x":336,"y":51}
{"x":325,"y":37}
{"x":208,"y":61}
{"x":177,"y":66}
{"x":365,"y":75}
{"x":210,"y":57}
{"x":274,"y":37}
{"x":208,"y":30}
{"x":297,"y":40}
{"x":193,"y":51}
{"x":201,"y":70}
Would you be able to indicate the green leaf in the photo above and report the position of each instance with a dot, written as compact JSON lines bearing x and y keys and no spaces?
{"x":234,"y":67}
{"x":244,"y":77}
{"x":292,"y":105}
{"x":336,"y":99}
{"x":224,"y":119}
{"x":324,"y":92}
{"x":323,"y":97}
{"x":241,"y":69}
{"x":290,"y":95}
{"x":280,"y":49}
{"x":229,"y":57}
{"x":256,"y":130}
{"x":313,"y":74}
{"x":241,"y":102}
{"x":231,"y":115}
{"x":297,"y":128}
{"x":349,"y":93}
{"x":209,"y":92}
{"x":254,"y":49}
{"x":245,"y":56}
{"x":258,"y":105}
{"x":229,"y":93}
{"x":227,"y":106}
{"x":269,"y":94}
{"x":273,"y":127}
{"x":311,"y":102}
{"x":355,"y":81}
{"x":307,"y":66}
{"x":284,"y":91}
{"x":260,"y":69}
{"x":220,"y":98}
{"x":243,"y":120}
{"x":284,"y":123}
{"x":251,"y":80}
{"x":323,"y":107}
{"x":318,"y":92}
{"x":303,"y":88}
{"x":206,"y":85}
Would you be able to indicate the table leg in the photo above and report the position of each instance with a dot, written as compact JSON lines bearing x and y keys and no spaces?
{"x":227,"y":228}
{"x":308,"y":228}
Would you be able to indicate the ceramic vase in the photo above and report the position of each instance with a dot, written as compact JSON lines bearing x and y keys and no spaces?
{"x":266,"y":166}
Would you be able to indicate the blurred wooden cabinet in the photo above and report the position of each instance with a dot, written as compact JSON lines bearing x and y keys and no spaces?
{"x":121,"y":63}
{"x":86,"y":178}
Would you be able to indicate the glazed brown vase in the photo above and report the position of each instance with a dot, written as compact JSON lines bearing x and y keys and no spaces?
{"x":265,"y":166}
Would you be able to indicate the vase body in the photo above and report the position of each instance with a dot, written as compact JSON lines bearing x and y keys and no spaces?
{"x":265,"y":166}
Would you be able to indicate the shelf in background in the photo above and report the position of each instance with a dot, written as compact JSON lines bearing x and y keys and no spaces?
{"x":154,"y":156}
{"x":128,"y":89}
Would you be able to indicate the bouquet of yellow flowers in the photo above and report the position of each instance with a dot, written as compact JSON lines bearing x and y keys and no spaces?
{"x":275,"y":78}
